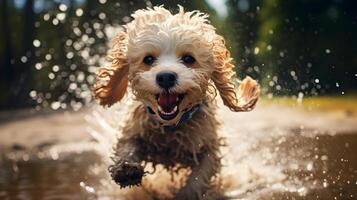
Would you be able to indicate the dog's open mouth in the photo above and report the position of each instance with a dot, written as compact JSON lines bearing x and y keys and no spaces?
{"x":168,"y":104}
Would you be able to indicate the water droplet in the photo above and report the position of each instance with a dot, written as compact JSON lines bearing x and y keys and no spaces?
{"x":36,"y":43}
{"x":62,"y":7}
{"x":61,"y":16}
{"x":80,"y":77}
{"x":33,"y":94}
{"x":77,"y":31}
{"x":69,"y":55}
{"x":46,"y":17}
{"x":85,"y":54}
{"x":300,"y":97}
{"x":302,"y":191}
{"x":72,"y":86}
{"x":271,"y":83}
{"x":55,"y":68}
{"x":102,"y":16}
{"x":86,"y":187}
{"x":55,"y":21}
{"x":79,"y":12}
{"x":48,"y":57}
{"x":82,"y":184}
{"x":69,"y":42}
{"x":309,"y":166}
{"x":26,"y":157}
{"x":281,"y":54}
{"x":55,"y":105}
{"x":324,"y":157}
{"x":126,"y":19}
{"x":275,"y":78}
{"x":51,"y":75}
{"x":256,"y":50}
{"x":24,"y":59}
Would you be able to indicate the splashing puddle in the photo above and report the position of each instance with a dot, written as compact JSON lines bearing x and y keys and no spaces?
{"x":261,"y":163}
{"x":294,"y":167}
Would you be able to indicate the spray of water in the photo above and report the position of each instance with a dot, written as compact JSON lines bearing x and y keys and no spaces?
{"x":256,"y":162}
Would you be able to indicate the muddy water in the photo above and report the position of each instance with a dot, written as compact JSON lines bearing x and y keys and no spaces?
{"x":48,"y":178}
{"x":322,"y":167}
{"x":297,"y":164}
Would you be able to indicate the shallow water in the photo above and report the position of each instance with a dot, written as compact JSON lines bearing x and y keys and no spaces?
{"x":48,"y":178}
{"x":298,"y":165}
{"x":263,"y":159}
{"x":319,"y":167}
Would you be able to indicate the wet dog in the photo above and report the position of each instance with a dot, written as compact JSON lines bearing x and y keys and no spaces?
{"x":174,"y":64}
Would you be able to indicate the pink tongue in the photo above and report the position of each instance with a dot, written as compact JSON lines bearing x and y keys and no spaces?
{"x":167,"y":101}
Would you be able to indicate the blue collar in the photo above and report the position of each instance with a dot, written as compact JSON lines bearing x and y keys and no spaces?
{"x":188,"y":114}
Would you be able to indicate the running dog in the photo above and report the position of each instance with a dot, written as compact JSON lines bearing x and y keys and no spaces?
{"x":175,"y":65}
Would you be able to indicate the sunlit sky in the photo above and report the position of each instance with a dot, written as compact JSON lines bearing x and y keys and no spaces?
{"x":219,"y":6}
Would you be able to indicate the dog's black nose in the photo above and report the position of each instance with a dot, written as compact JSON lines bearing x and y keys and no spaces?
{"x":166,"y":80}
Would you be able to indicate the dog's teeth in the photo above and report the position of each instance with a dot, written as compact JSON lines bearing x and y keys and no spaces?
{"x":167,"y":113}
{"x":173,"y":111}
{"x":177,"y":99}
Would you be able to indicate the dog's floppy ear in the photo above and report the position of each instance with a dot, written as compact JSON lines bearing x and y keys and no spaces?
{"x":222,"y":76}
{"x":111,"y":83}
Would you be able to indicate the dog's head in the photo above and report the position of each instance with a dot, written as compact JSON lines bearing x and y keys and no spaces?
{"x":169,"y":61}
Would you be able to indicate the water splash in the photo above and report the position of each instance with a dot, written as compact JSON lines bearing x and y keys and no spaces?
{"x":257,"y":161}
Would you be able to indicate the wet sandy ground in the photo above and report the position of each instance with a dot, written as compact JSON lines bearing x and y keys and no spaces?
{"x":273,"y":152}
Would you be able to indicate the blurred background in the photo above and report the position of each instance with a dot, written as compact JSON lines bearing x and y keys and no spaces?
{"x":50,"y":49}
{"x":303,"y":52}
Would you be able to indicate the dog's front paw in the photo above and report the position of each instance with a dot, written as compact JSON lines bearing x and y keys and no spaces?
{"x":127,"y":174}
{"x":248,"y":94}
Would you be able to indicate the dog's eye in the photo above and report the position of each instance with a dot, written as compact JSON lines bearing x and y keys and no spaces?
{"x":187,"y":59}
{"x":149,"y":60}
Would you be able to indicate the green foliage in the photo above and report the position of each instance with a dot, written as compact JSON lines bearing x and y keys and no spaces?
{"x":297,"y":46}
{"x":292,"y":47}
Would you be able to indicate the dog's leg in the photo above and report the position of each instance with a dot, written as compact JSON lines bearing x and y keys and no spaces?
{"x":199,"y":180}
{"x":127,"y":169}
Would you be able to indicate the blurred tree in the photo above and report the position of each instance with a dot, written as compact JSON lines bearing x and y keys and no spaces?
{"x":306,"y":46}
{"x":49,"y":50}
{"x":6,"y":67}
{"x":242,"y":25}
{"x":21,"y":87}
